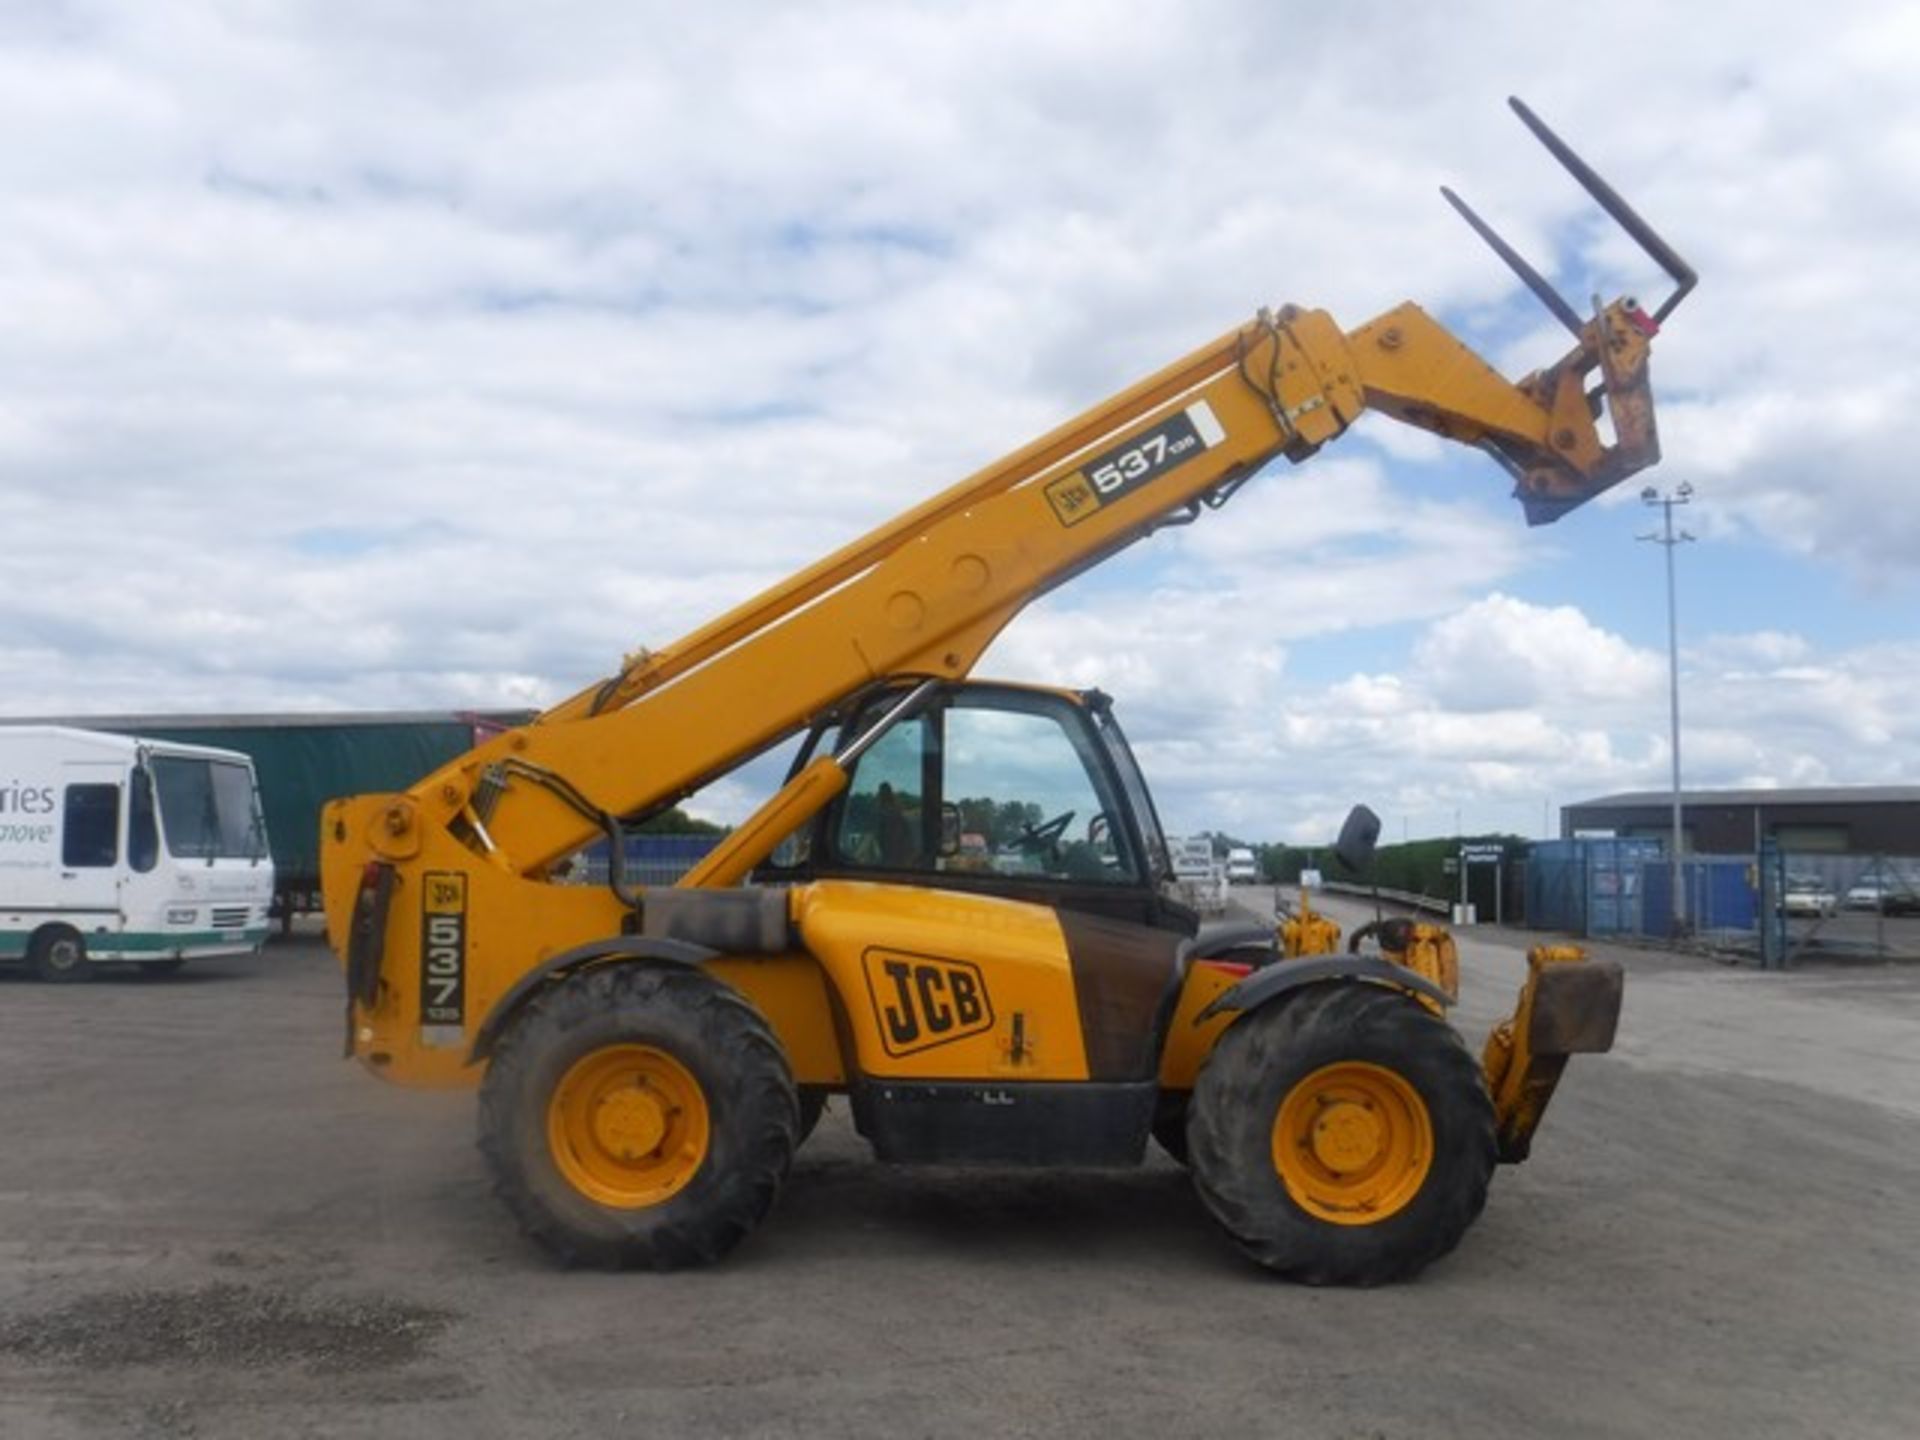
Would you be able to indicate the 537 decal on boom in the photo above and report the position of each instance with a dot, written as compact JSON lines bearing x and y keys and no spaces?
{"x":1104,"y":478}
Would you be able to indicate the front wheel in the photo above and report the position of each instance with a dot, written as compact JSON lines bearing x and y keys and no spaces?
{"x":58,"y":956}
{"x":639,"y":1116}
{"x":1342,"y":1136}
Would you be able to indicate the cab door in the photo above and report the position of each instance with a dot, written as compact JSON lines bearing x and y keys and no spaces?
{"x":1007,"y":792}
{"x":999,"y":790}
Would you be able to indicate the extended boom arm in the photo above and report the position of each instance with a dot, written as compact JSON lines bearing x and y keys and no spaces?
{"x":927,"y":593}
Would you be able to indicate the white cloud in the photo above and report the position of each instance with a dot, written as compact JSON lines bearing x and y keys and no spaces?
{"x":1506,"y":711}
{"x":358,"y":355}
{"x":1501,"y":654}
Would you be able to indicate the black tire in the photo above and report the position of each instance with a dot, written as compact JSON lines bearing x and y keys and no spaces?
{"x":1170,"y":1123}
{"x":58,"y":956}
{"x":744,"y":1082}
{"x":1237,"y":1101}
{"x":813,"y":1104}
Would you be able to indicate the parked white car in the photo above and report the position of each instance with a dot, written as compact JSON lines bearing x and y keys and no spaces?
{"x":1808,"y":895}
{"x":1890,"y":894}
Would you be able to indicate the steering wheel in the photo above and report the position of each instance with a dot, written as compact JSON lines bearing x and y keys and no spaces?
{"x":1046,"y":835}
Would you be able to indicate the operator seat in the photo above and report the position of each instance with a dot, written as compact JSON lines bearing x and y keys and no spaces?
{"x":893,"y":832}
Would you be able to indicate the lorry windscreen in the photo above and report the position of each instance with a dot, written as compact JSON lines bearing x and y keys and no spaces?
{"x":208,"y":810}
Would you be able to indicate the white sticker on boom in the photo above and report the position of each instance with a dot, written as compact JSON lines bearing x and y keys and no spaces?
{"x":1206,"y":424}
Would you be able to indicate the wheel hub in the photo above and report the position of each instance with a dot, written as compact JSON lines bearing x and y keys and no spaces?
{"x":1352,"y":1143}
{"x":1347,"y":1138}
{"x":628,"y":1126}
{"x":630,"y":1123}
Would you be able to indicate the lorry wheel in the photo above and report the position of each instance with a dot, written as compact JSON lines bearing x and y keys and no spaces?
{"x":59,"y":956}
{"x":638,"y":1116}
{"x":1343,"y":1136}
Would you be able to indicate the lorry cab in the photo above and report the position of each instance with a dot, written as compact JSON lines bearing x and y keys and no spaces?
{"x":1025,"y":792}
{"x":1243,"y":868}
{"x":114,"y":848}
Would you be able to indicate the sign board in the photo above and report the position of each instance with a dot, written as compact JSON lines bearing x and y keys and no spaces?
{"x":1310,"y":879}
{"x":1482,"y":854}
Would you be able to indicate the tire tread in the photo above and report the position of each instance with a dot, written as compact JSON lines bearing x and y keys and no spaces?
{"x":1232,"y":1114}
{"x":706,"y":1220}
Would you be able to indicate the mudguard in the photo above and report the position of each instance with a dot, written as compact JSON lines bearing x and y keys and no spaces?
{"x":1271,"y":982}
{"x":614,"y":947}
{"x":1220,"y":936}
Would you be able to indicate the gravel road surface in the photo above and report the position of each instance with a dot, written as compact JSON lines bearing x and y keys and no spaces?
{"x":210,"y":1226}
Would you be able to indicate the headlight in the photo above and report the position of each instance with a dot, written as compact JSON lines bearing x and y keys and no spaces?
{"x":181,"y":916}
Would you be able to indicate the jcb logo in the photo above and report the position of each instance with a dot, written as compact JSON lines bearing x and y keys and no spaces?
{"x":443,"y":950}
{"x":920,"y":1002}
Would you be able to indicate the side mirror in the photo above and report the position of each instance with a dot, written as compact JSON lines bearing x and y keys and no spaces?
{"x":949,"y":829}
{"x":143,"y":831}
{"x":1354,"y":848}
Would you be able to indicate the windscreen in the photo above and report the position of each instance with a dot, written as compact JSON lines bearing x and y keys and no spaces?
{"x":208,"y":810}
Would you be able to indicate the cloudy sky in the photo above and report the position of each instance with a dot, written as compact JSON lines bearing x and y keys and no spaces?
{"x":376,"y":355}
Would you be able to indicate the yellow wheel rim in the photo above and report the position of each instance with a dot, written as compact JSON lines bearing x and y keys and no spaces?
{"x":628,"y":1126}
{"x":1353,"y":1143}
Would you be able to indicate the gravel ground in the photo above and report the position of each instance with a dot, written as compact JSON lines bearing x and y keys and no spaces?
{"x":212,"y":1227}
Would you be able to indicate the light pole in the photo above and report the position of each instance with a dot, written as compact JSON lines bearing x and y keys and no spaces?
{"x":1667,"y":537}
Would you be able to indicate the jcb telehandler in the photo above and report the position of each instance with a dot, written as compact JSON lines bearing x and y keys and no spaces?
{"x":954,"y":911}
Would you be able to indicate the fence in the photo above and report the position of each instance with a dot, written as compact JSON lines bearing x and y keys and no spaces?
{"x":1774,"y":908}
{"x":650,"y":859}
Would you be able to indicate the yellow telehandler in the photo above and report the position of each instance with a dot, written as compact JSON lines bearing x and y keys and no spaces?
{"x":954,"y":912}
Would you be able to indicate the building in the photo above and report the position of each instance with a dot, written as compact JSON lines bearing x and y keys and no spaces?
{"x":1841,"y":819}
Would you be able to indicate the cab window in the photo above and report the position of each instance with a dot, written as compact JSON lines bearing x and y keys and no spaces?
{"x":883,"y":817}
{"x":1007,"y":784}
{"x":90,"y":833}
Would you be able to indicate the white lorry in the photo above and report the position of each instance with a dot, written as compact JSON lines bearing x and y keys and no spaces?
{"x":127,"y":850}
{"x":1242,"y":868}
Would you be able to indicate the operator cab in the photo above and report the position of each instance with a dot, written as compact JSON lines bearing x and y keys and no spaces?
{"x":1012,"y":790}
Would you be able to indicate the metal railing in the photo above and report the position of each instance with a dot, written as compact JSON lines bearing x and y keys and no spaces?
{"x":1397,"y":897}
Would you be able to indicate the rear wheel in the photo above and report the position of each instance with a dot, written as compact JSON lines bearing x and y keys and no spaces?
{"x":59,"y":956}
{"x":1343,"y":1136}
{"x":639,"y":1117}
